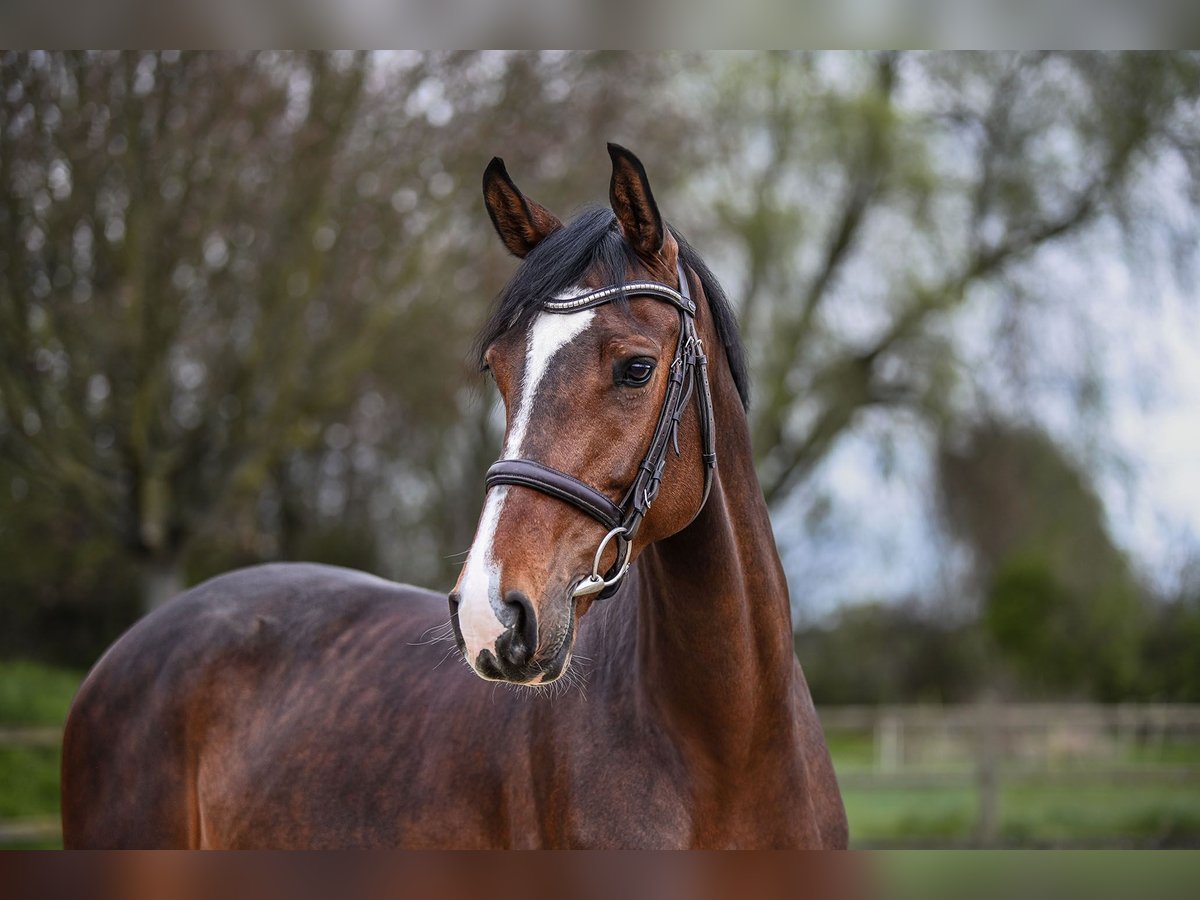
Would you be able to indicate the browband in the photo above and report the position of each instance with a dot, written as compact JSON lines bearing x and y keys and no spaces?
{"x":600,"y":296}
{"x":623,"y":520}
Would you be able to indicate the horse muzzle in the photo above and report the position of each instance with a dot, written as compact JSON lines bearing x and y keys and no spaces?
{"x":520,"y":653}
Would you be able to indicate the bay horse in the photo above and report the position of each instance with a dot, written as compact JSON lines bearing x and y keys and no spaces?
{"x":303,"y":706}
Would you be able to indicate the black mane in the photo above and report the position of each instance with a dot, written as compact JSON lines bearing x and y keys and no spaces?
{"x":593,"y":240}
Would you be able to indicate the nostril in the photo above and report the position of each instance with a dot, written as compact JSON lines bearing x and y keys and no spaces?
{"x":524,"y":619}
{"x":457,"y":629}
{"x":485,"y":663}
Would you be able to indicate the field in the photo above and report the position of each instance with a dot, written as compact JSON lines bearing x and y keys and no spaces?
{"x":1067,"y":808}
{"x":1138,"y":793}
{"x":31,"y":695}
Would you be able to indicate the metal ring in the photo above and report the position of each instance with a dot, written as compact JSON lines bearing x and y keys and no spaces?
{"x":596,"y":582}
{"x":620,"y":529}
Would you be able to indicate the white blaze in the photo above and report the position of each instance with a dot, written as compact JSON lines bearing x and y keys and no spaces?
{"x":479,"y":590}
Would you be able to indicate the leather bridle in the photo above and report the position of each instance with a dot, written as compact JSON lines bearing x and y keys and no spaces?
{"x":625,"y":518}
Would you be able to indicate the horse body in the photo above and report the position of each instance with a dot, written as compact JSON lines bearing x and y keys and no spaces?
{"x":304,"y":706}
{"x":295,"y":705}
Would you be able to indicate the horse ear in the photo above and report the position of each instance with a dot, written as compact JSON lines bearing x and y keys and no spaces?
{"x":631,"y":199}
{"x":521,"y":223}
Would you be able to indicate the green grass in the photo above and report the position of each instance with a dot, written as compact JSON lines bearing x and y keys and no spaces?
{"x":1168,"y":753}
{"x":920,"y":816}
{"x":32,"y":694}
{"x":1028,"y":875}
{"x":1150,"y":815}
{"x":851,"y":749}
{"x":35,"y":694}
{"x":1043,"y":814}
{"x":28,"y":782}
{"x":1158,"y":814}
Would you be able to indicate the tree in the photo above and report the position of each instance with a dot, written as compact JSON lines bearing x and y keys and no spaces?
{"x":1060,"y":603}
{"x":235,"y":313}
{"x":237,"y":291}
{"x":871,"y":197}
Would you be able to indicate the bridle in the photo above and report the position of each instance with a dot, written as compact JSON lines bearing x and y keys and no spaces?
{"x":625,"y":518}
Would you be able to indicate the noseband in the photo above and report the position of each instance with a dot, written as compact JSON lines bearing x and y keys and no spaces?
{"x":625,"y":518}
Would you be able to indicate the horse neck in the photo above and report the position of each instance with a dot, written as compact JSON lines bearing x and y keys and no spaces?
{"x":714,"y":633}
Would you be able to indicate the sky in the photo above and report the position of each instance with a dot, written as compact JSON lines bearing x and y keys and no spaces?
{"x":860,"y":531}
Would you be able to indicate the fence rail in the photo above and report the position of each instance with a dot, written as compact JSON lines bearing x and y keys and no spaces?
{"x":1171,"y":716}
{"x":988,"y":746}
{"x":33,"y":736}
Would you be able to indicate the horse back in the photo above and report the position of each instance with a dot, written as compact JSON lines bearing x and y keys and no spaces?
{"x":239,"y":652}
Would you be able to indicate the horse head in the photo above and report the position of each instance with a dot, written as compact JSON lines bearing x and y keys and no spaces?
{"x":596,"y":348}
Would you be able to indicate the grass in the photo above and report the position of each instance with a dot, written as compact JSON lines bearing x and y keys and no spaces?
{"x":1036,"y":876}
{"x":32,"y":694}
{"x":851,"y":749}
{"x":921,"y":816}
{"x":1033,"y":814}
{"x":1149,"y":815}
{"x":1160,"y":815}
{"x":35,"y":694}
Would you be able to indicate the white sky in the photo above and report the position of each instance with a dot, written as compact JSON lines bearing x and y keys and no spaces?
{"x":879,"y":540}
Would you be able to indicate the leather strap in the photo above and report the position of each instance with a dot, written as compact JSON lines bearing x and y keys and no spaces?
{"x":527,"y":473}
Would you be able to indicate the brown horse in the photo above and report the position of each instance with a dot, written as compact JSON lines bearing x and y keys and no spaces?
{"x":298,"y":705}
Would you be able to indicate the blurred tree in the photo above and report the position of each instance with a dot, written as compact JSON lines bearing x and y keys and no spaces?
{"x":892,"y":653}
{"x":1170,"y":662}
{"x":872,"y":201}
{"x":68,"y":587}
{"x":236,"y":291}
{"x":160,"y":363}
{"x":868,"y":197}
{"x":234,"y":312}
{"x":1060,"y":603}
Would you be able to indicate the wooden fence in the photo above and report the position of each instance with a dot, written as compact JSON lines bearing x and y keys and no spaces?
{"x":989,"y":745}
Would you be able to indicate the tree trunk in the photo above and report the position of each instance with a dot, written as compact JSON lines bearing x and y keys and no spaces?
{"x":162,"y":579}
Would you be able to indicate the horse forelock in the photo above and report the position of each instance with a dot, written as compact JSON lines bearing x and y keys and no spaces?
{"x":591,"y":246}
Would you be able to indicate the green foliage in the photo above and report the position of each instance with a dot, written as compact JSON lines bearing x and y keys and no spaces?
{"x":890,"y":653}
{"x":235,"y":309}
{"x":1170,"y":662}
{"x":67,"y":586}
{"x":1060,"y":642}
{"x":1059,"y":602}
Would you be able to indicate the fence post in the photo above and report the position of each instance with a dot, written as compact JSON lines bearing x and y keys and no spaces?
{"x":889,"y":741}
{"x":987,"y":775}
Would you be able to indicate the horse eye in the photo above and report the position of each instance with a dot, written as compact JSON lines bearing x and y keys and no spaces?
{"x":636,"y":372}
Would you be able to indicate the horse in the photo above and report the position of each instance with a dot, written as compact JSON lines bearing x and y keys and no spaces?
{"x":294,"y":705}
